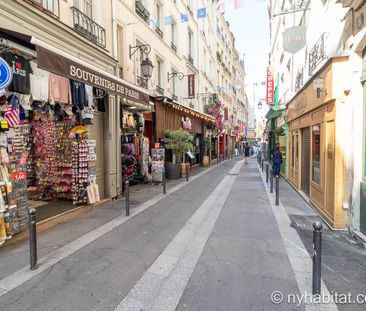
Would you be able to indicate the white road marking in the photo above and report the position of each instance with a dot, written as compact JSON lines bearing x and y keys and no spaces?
{"x":163,"y":284}
{"x":300,"y":260}
{"x":23,"y":275}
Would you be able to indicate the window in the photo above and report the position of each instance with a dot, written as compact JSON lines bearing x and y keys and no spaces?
{"x":316,"y":154}
{"x":158,"y":70}
{"x":85,"y":6}
{"x":158,"y":14}
{"x":190,"y":42}
{"x":174,"y":83}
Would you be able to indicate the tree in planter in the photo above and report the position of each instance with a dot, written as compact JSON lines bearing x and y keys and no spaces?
{"x":179,"y":141}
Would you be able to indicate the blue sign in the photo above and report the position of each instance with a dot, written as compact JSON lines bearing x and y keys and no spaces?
{"x":5,"y":74}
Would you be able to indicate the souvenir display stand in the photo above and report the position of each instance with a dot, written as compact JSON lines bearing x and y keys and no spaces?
{"x":157,"y":164}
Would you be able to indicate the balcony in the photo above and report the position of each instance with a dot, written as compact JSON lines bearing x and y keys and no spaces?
{"x":175,"y":97}
{"x":173,"y":46}
{"x":160,"y":90}
{"x":190,"y":59}
{"x":142,"y":12}
{"x":317,"y":54}
{"x":141,"y":82}
{"x":51,"y":7}
{"x":85,"y":26}
{"x":299,"y":82}
{"x":159,"y":32}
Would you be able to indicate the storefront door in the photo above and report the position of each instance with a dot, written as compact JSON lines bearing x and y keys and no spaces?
{"x":97,"y":133}
{"x":305,"y":161}
{"x":330,"y":167}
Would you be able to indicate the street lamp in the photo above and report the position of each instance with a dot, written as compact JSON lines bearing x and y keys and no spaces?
{"x":260,"y":105}
{"x":146,"y":65}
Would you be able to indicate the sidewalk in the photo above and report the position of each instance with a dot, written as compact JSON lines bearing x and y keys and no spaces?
{"x":343,"y":258}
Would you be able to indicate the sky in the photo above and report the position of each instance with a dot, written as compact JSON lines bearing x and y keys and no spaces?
{"x":250,"y":27}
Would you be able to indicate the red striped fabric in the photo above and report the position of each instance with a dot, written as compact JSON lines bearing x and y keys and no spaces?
{"x":12,"y":115}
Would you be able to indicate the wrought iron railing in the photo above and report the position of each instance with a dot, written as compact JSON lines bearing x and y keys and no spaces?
{"x":159,"y":31}
{"x":141,"y":82}
{"x":175,"y":97}
{"x":190,"y":59}
{"x":173,"y":46}
{"x":142,"y":11}
{"x":160,"y":90}
{"x":317,"y":54}
{"x":299,"y":82}
{"x":84,"y":25}
{"x":51,"y":7}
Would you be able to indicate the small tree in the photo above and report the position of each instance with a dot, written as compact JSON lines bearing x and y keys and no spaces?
{"x":179,"y":141}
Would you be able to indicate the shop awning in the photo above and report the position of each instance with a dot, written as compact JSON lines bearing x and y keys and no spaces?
{"x":192,"y":112}
{"x":52,"y":59}
{"x":272,"y":114}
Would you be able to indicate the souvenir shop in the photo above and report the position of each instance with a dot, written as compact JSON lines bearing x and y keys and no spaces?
{"x":52,"y":142}
{"x":136,"y":141}
{"x":170,"y":115}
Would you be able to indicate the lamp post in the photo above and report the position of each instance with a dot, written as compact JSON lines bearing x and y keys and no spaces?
{"x":260,"y":105}
{"x":146,"y":65}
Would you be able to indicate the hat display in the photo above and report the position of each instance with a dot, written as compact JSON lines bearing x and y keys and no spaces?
{"x":68,"y":110}
{"x":57,"y":110}
{"x":37,"y":105}
{"x":14,"y":101}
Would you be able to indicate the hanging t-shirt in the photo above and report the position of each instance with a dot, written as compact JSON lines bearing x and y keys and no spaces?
{"x":21,"y":69}
{"x":39,"y":83}
{"x":78,"y":94}
{"x":59,"y":89}
{"x":99,"y":96}
{"x":89,"y":95}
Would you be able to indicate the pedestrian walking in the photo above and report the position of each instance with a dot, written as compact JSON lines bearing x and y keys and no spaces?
{"x":277,"y":161}
{"x":246,"y":153}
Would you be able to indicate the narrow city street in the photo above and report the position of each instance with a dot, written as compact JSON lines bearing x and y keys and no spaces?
{"x":217,"y":242}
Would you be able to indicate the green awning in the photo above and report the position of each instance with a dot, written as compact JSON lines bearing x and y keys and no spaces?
{"x":272,"y":114}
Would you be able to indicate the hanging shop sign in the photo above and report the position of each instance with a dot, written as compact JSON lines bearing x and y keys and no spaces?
{"x":65,"y":67}
{"x":191,"y":89}
{"x":270,"y":88}
{"x":294,"y":39}
{"x":6,"y":75}
{"x":186,"y":123}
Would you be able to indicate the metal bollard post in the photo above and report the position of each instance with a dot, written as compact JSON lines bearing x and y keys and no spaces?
{"x":271,"y":181}
{"x":317,"y":257}
{"x":164,"y":183}
{"x":267,"y":173}
{"x":277,"y":190}
{"x":32,"y":239}
{"x":187,"y":177}
{"x":262,"y":165}
{"x":127,"y":196}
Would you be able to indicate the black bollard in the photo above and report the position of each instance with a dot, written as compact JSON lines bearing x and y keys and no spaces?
{"x":267,"y":173}
{"x":271,"y":181}
{"x":277,"y":190}
{"x":317,"y":257}
{"x":164,"y":183}
{"x":32,"y":239}
{"x":127,"y":196}
{"x":187,"y":177}
{"x":262,"y":165}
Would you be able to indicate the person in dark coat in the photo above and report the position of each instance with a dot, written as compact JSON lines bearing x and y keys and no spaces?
{"x":246,"y":153}
{"x":277,"y":161}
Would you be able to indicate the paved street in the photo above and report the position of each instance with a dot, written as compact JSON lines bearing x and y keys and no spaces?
{"x":217,"y":242}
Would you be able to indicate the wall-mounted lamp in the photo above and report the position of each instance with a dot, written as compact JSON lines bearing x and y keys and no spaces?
{"x":179,"y":75}
{"x":146,"y":65}
{"x":318,"y":84}
{"x":260,"y":105}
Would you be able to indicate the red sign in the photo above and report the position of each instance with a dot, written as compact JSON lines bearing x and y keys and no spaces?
{"x":23,"y":159}
{"x":157,"y":146}
{"x":19,"y":176}
{"x":270,"y":86}
{"x":191,"y":90}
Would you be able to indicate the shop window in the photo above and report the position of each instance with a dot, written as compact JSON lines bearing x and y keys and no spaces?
{"x":316,"y":154}
{"x":293,"y":151}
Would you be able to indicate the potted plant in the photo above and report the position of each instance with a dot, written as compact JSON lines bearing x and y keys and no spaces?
{"x":179,"y":141}
{"x":207,"y":145}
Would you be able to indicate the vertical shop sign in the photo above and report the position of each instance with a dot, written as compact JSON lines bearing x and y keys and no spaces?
{"x":270,"y":89}
{"x":191,"y":90}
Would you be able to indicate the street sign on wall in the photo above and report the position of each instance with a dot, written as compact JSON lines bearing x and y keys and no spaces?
{"x":269,"y":86}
